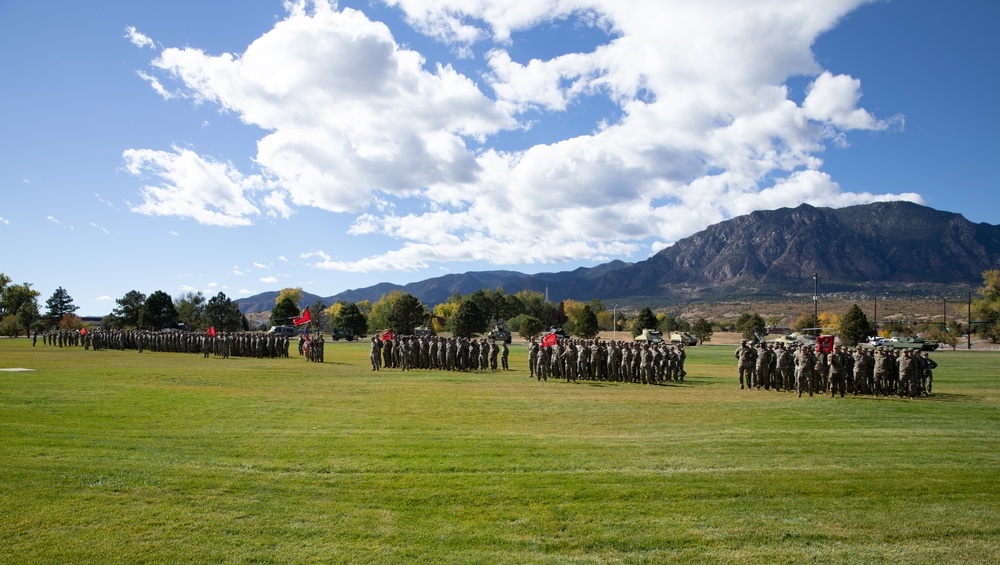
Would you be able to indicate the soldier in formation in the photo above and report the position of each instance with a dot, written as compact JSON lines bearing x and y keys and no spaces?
{"x":613,"y":361}
{"x":222,"y":344}
{"x":879,"y":372}
{"x":746,"y":361}
{"x":406,"y":352}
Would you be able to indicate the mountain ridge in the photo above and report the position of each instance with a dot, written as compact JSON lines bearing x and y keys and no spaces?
{"x":863,"y":248}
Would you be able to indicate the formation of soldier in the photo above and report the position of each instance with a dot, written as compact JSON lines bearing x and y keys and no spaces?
{"x":614,"y":361}
{"x":438,"y":353}
{"x":803,"y":369}
{"x":311,"y":347}
{"x":222,"y":344}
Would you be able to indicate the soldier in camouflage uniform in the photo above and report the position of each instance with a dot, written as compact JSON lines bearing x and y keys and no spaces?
{"x":805,"y":360}
{"x":838,"y":371}
{"x":928,"y":376}
{"x":747,"y":358}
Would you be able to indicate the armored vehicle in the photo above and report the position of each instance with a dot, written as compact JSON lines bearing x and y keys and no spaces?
{"x":915,"y":344}
{"x":500,"y":333}
{"x":423,"y":331}
{"x":683,"y":338}
{"x":796,"y":338}
{"x":651,"y":336}
{"x":338,"y":334}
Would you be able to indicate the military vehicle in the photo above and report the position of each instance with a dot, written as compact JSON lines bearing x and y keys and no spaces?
{"x":500,"y":333}
{"x":338,"y":334}
{"x":287,"y":331}
{"x":683,"y":338}
{"x":423,"y":331}
{"x":914,"y":343}
{"x":796,"y":338}
{"x":651,"y":336}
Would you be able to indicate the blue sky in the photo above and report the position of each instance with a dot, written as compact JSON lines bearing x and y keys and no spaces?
{"x":249,"y":146}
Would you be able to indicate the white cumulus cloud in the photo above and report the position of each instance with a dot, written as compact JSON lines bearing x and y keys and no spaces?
{"x":211,"y":192}
{"x":137,"y":38}
{"x":355,"y":123}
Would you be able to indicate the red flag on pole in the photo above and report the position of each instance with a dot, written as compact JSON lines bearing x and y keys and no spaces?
{"x":302,"y":319}
{"x":211,"y":331}
{"x":824,"y":343}
{"x":83,"y":331}
{"x":550,"y":340}
{"x":387,"y":335}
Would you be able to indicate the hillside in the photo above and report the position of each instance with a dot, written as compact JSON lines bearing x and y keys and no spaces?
{"x":889,"y":248}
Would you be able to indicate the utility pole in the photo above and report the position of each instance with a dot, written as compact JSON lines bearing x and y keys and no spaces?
{"x":875,"y":320}
{"x":968,"y":330}
{"x":816,"y":300}
{"x":945,"y":317}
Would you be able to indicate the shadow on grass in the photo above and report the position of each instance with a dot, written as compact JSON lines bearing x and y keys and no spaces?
{"x":936,"y":397}
{"x":615,"y":384}
{"x":949,"y":397}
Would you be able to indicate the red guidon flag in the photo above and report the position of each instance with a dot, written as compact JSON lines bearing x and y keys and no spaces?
{"x":549,"y":340}
{"x":302,"y":319}
{"x":824,"y":343}
{"x":83,"y":331}
{"x":211,"y":331}
{"x":387,"y":335}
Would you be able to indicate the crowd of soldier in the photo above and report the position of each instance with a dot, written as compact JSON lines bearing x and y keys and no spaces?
{"x":235,"y":344}
{"x":438,"y":353}
{"x":803,"y":369}
{"x":311,"y":347}
{"x":615,"y":361}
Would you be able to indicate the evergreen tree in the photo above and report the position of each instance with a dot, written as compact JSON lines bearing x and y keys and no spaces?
{"x":530,"y":327}
{"x":351,"y":315}
{"x":158,"y":312}
{"x":406,"y":314}
{"x":702,"y":330}
{"x":646,"y":320}
{"x":284,"y":311}
{"x":129,"y":306}
{"x":59,"y":304}
{"x":468,"y":320}
{"x":27,"y":315}
{"x":587,"y":327}
{"x":669,"y":324}
{"x":223,"y":314}
{"x":750,"y":324}
{"x":854,"y":326}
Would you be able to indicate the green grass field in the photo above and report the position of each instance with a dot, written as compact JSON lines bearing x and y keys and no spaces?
{"x":162,"y":458}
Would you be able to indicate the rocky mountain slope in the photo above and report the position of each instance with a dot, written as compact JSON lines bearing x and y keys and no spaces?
{"x":886,"y":247}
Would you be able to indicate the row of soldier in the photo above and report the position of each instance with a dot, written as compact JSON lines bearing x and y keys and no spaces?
{"x":222,"y":344}
{"x":804,"y":369}
{"x":616,"y":361}
{"x":437,"y":353}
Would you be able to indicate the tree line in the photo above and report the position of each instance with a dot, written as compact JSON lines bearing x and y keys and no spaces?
{"x":527,"y":313}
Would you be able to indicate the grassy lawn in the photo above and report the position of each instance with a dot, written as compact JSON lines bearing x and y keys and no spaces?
{"x":119,"y":457}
